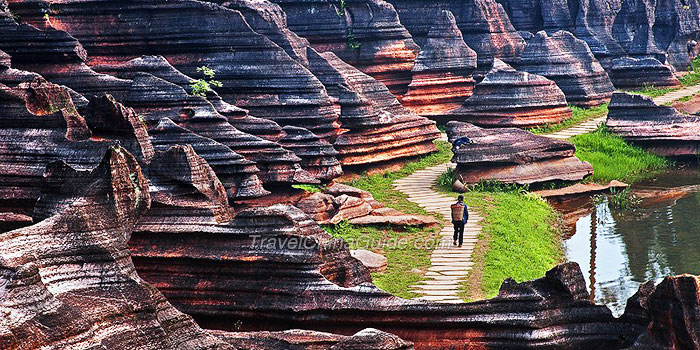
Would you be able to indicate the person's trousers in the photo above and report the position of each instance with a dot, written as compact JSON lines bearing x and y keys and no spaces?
{"x":459,"y":231}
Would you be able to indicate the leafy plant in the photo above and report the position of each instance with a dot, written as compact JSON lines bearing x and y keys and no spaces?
{"x":618,"y":199}
{"x":447,"y":179}
{"x":310,"y":188}
{"x":200,"y":87}
{"x":349,"y":33}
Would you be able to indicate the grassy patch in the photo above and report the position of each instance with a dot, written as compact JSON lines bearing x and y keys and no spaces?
{"x":693,"y":76}
{"x":651,"y":91}
{"x":380,"y":185}
{"x":578,"y":116}
{"x":413,"y":254}
{"x":403,"y":258}
{"x":310,"y":188}
{"x":520,"y":238}
{"x":614,"y":159}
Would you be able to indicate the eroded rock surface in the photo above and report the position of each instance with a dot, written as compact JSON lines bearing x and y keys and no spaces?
{"x":507,"y":97}
{"x":442,"y":75}
{"x":660,"y":129}
{"x":569,"y":62}
{"x":512,"y":155}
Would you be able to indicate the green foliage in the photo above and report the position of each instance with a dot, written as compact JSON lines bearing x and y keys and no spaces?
{"x":349,"y":32}
{"x":579,"y":115}
{"x":614,"y":159}
{"x":403,"y":261}
{"x":447,"y":179}
{"x":497,"y":186}
{"x":693,"y":76}
{"x":200,"y":87}
{"x":310,"y":188}
{"x":380,"y":185}
{"x":685,"y":98}
{"x":618,"y":199}
{"x":651,"y":91}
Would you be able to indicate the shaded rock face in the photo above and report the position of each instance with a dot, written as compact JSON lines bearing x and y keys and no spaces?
{"x":535,"y":15}
{"x":512,"y":156}
{"x":51,"y":304}
{"x":442,"y":75}
{"x":594,"y":22}
{"x":256,"y":74}
{"x":675,"y":27}
{"x":507,"y":97}
{"x":631,"y":73}
{"x":318,"y":156}
{"x":380,"y":128}
{"x":484,"y":23}
{"x":365,"y":33}
{"x":570,"y":63}
{"x":368,"y":339}
{"x":633,"y":29}
{"x":660,"y":129}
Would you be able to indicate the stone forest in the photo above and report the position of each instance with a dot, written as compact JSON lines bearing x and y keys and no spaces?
{"x":282,"y":174}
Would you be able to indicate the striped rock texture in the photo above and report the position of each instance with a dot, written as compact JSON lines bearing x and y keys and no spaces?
{"x":442,"y":75}
{"x":256,"y":74}
{"x":569,"y":62}
{"x":660,"y":129}
{"x":633,"y":73}
{"x":535,"y":15}
{"x":484,"y":23}
{"x":386,"y":50}
{"x":380,"y":128}
{"x":507,"y":97}
{"x":512,"y":155}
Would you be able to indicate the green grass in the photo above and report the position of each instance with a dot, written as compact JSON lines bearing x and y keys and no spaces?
{"x":614,"y":159}
{"x":579,"y":115}
{"x":651,"y":91}
{"x":520,"y":238}
{"x":310,"y":188}
{"x":413,"y":252}
{"x":401,"y":260}
{"x":693,"y":76}
{"x":380,"y":185}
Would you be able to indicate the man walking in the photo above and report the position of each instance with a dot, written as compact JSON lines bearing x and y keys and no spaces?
{"x":460,"y":214}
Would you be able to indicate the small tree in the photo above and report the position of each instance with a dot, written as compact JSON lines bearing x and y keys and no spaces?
{"x":200,"y":87}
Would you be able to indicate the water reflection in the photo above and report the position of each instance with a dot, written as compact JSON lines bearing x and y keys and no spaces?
{"x":619,"y":250}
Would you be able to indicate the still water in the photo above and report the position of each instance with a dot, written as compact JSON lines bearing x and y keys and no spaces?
{"x":620,"y":249}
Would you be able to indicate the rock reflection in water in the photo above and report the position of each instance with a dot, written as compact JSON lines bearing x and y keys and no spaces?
{"x":620,"y":249}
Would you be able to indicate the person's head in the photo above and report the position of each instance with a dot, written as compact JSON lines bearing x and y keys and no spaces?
{"x":460,"y":198}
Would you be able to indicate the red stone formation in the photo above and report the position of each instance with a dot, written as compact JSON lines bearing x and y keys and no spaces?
{"x":512,"y":155}
{"x":660,"y":129}
{"x":442,"y":74}
{"x":571,"y":64}
{"x":507,"y":97}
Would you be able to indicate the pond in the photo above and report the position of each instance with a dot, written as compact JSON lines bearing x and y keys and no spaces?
{"x":620,"y":249}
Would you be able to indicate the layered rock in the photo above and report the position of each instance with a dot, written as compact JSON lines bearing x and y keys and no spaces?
{"x":570,"y":63}
{"x":484,"y":24}
{"x":318,"y":156}
{"x":511,"y":155}
{"x":367,"y":339}
{"x":442,"y":74}
{"x":507,"y":97}
{"x":633,"y":73}
{"x":364,"y":33}
{"x":255,"y":73}
{"x":535,"y":15}
{"x":380,"y":128}
{"x":156,"y":99}
{"x":50,"y":303}
{"x":676,"y":26}
{"x":660,"y":129}
{"x":594,"y":23}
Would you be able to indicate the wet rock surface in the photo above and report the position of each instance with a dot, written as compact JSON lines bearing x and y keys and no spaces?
{"x":507,"y":97}
{"x":660,"y":129}
{"x":512,"y":155}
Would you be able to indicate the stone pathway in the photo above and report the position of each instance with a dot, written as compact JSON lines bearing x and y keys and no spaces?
{"x":579,"y":129}
{"x":450,"y":264}
{"x":674,"y":95}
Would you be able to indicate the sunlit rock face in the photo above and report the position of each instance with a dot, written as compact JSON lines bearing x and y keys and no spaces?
{"x":255,"y":73}
{"x":442,"y":76}
{"x":570,"y":63}
{"x":380,"y":129}
{"x":507,"y":97}
{"x":512,"y":155}
{"x":660,"y":129}
{"x":364,"y":33}
{"x":484,"y":24}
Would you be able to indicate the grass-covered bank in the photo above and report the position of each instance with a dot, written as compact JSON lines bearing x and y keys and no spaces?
{"x":412,"y":253}
{"x":520,"y":238}
{"x":614,"y":159}
{"x":578,"y":116}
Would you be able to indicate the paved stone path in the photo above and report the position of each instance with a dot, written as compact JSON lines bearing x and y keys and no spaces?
{"x":450,"y":264}
{"x":579,"y":129}
{"x":674,"y":95}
